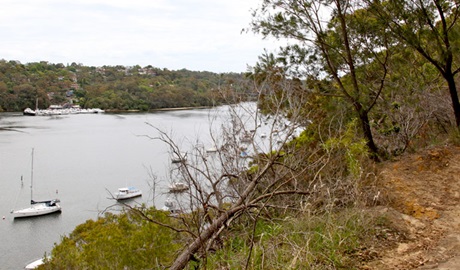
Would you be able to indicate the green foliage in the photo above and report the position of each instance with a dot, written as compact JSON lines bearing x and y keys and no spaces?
{"x":354,"y":148}
{"x":114,"y":87}
{"x":124,"y":241}
{"x":303,"y":140}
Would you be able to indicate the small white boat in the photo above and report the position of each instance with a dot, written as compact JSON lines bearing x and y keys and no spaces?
{"x":171,"y":207}
{"x":37,"y":208}
{"x":178,"y":158}
{"x":29,"y":112}
{"x":127,"y":193}
{"x":177,"y":187}
{"x":212,"y":149}
{"x":169,"y":204}
{"x":35,"y":264}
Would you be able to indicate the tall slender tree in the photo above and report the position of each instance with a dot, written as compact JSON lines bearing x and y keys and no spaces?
{"x":431,"y":27}
{"x":333,"y":40}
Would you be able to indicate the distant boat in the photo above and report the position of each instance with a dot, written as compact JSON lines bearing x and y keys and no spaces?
{"x":171,"y":207}
{"x":59,"y":110}
{"x":37,"y":208}
{"x":178,"y":158}
{"x":127,"y":193}
{"x":177,"y":187}
{"x":29,"y":112}
{"x":35,"y":264}
{"x":212,"y":149}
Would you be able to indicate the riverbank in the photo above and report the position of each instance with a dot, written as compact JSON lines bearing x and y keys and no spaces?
{"x":157,"y":110}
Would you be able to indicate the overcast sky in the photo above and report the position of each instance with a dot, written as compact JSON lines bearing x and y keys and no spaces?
{"x":200,"y":35}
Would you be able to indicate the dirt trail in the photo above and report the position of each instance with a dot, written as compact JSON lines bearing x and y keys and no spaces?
{"x":424,"y":194}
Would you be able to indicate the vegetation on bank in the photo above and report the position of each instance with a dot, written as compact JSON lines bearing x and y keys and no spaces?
{"x":112,"y":87}
{"x":368,"y":84}
{"x":116,"y":241}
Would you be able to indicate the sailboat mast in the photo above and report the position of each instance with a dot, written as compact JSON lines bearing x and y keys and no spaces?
{"x":32,"y":177}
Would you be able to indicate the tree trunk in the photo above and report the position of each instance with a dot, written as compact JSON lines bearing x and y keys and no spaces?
{"x":182,"y":260}
{"x":454,"y":96}
{"x":367,"y":132}
{"x":366,"y":127}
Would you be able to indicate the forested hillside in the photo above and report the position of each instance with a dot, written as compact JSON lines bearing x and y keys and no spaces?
{"x":112,"y":87}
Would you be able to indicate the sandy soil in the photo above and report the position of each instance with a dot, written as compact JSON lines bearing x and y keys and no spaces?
{"x":423,"y":210}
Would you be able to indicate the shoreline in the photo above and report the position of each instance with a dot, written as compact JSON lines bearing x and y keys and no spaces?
{"x":157,"y":110}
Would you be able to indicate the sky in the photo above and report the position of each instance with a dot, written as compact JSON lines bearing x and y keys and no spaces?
{"x":198,"y":35}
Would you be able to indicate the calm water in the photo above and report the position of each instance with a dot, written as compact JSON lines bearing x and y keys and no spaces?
{"x":83,"y":158}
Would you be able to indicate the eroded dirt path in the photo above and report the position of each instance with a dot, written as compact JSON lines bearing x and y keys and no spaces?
{"x":424,"y":194}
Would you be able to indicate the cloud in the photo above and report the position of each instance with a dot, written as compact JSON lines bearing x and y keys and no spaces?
{"x":175,"y":34}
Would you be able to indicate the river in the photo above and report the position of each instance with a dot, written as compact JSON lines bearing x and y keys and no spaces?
{"x":83,"y":158}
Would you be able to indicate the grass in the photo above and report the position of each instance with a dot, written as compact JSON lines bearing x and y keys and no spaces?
{"x":326,"y":241}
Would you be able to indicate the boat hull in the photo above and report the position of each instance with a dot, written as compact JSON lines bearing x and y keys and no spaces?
{"x":29,"y":112}
{"x":178,"y":187}
{"x":127,"y":193}
{"x":35,"y":264}
{"x":128,"y":196}
{"x":182,"y":157}
{"x":36,"y":210}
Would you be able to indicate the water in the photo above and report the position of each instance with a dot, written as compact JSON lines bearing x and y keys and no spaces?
{"x":83,"y":158}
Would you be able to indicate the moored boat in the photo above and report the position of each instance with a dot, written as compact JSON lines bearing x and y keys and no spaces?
{"x":171,"y":206}
{"x":39,"y":208}
{"x":59,"y":110}
{"x":211,"y":149}
{"x":29,"y":112}
{"x":127,"y":193}
{"x":35,"y":264}
{"x":177,"y":187}
{"x":178,"y":158}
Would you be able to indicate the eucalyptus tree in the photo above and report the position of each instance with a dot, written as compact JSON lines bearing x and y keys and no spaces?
{"x":430,"y":27}
{"x":333,"y":41}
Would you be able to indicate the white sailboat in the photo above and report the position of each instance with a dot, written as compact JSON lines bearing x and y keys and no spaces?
{"x":37,"y":208}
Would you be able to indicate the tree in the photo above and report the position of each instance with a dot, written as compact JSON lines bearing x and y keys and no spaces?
{"x":255,"y":172}
{"x":333,"y":40}
{"x":221,"y":189}
{"x":431,"y":28}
